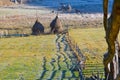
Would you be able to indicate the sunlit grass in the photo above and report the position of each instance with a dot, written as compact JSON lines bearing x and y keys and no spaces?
{"x":23,"y":56}
{"x":91,"y":42}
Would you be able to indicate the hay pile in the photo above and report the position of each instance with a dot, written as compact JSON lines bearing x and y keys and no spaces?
{"x":37,"y":28}
{"x":56,"y":26}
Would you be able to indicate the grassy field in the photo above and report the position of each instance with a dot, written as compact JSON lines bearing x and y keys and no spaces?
{"x":23,"y":56}
{"x":35,"y":58}
{"x":22,"y":18}
{"x":91,"y":42}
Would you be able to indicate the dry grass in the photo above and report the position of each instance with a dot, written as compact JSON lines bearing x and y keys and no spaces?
{"x":5,"y":2}
{"x":25,"y":18}
{"x":91,"y":42}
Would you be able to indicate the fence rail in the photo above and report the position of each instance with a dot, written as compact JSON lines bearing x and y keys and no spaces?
{"x":75,"y":48}
{"x":89,"y":71}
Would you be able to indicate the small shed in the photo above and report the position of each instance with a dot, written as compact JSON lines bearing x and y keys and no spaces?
{"x":37,"y":28}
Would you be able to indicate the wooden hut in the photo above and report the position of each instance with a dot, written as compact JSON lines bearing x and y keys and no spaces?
{"x":56,"y":26}
{"x":37,"y":28}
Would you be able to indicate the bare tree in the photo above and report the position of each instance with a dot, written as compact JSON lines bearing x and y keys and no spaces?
{"x":112,"y":26}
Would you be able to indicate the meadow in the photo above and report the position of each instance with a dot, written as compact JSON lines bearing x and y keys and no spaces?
{"x":91,"y":42}
{"x":38,"y":57}
{"x":21,"y":19}
{"x":29,"y":57}
{"x":35,"y":58}
{"x":93,"y":46}
{"x":24,"y":56}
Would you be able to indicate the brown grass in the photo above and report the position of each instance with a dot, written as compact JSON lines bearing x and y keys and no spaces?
{"x":23,"y":19}
{"x":5,"y":2}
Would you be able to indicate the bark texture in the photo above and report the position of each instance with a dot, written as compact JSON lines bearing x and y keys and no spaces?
{"x":111,"y":26}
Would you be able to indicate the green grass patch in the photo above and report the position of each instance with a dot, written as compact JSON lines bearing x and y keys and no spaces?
{"x":22,"y":57}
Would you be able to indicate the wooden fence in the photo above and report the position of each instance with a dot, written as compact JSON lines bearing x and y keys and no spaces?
{"x":77,"y":53}
{"x":75,"y":48}
{"x":87,"y":71}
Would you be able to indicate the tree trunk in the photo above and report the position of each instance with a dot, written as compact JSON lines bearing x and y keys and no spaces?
{"x":112,"y":69}
{"x":112,"y":27}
